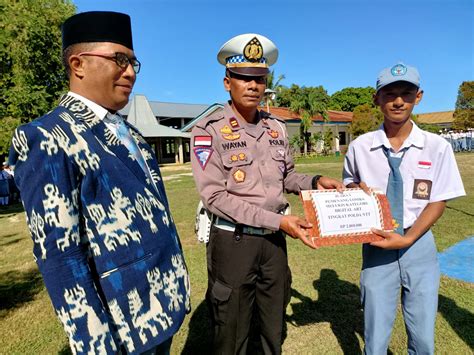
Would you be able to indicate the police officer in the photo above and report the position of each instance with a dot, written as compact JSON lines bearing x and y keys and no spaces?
{"x":242,"y":166}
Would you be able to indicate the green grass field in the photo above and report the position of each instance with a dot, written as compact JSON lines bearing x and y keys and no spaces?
{"x":323,"y":317}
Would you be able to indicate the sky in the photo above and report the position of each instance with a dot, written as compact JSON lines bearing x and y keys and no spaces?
{"x":333,"y":43}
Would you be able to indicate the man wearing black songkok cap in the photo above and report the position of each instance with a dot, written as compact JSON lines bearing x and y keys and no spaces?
{"x":103,"y":236}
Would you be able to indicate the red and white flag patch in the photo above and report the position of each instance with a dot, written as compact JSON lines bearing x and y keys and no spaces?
{"x":424,"y":164}
{"x":202,"y":141}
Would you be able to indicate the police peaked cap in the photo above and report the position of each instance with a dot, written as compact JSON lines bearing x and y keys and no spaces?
{"x":98,"y":26}
{"x":248,"y":54}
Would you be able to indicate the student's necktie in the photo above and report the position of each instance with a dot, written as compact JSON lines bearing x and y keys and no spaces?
{"x":395,"y":190}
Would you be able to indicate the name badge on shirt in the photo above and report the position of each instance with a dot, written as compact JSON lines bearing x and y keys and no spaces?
{"x":422,"y":189}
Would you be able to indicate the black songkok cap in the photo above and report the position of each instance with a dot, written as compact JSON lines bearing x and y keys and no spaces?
{"x":98,"y":26}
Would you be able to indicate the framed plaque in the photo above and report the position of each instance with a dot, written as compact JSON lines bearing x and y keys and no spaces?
{"x":346,"y":217}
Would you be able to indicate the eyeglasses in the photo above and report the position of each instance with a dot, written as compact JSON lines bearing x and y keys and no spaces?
{"x":119,"y":58}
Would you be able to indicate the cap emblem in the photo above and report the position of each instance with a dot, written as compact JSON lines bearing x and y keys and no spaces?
{"x":253,"y":51}
{"x":398,"y":70}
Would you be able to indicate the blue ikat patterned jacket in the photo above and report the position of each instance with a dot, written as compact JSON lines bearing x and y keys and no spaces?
{"x":104,"y":238}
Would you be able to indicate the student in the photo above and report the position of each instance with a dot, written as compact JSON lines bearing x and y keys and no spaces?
{"x":418,"y":171}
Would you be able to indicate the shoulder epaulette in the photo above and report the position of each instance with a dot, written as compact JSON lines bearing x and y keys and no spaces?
{"x":270,"y":116}
{"x":213,"y":117}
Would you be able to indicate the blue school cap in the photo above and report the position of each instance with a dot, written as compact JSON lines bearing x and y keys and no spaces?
{"x":399,"y":72}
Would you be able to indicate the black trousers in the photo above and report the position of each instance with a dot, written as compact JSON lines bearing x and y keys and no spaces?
{"x":247,"y":273}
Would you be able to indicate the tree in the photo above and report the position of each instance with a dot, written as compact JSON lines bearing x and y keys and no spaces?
{"x":324,"y":140}
{"x":272,"y":85}
{"x":365,"y":119}
{"x":296,"y":142}
{"x":464,"y":112}
{"x":31,"y":74}
{"x":348,"y":99}
{"x":307,"y":102}
{"x":7,"y":126}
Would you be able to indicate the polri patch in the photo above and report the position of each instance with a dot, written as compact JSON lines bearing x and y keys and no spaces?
{"x":203,"y":154}
{"x":422,"y":189}
{"x":273,"y":133}
{"x":202,"y":141}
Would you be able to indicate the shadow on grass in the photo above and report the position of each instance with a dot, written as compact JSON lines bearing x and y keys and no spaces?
{"x":460,"y":319}
{"x":17,"y":288}
{"x":65,"y":351}
{"x":4,"y":243}
{"x":338,"y":304}
{"x":460,"y":211}
{"x":199,"y":340}
{"x":5,"y":211}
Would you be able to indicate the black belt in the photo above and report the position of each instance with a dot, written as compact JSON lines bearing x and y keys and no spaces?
{"x":226,"y":225}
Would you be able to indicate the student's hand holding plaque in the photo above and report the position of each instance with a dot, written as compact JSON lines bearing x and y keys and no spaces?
{"x":346,"y":217}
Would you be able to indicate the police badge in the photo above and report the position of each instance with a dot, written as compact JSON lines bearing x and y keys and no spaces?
{"x":253,"y":51}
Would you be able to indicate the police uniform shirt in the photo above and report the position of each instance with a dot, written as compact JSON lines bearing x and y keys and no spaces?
{"x":241,"y":169}
{"x":429,"y":169}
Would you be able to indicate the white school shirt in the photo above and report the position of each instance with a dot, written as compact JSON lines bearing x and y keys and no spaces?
{"x":429,"y":158}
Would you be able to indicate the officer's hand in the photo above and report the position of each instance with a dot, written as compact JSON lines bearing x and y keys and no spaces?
{"x":325,"y":182}
{"x":296,"y":228}
{"x":391,"y":240}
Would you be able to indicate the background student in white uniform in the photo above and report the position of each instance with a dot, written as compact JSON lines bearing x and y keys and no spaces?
{"x":418,"y":171}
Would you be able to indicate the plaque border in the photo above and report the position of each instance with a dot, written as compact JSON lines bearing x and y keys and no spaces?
{"x":310,"y":212}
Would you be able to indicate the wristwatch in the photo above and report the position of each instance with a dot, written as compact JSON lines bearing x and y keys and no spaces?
{"x":314,"y":182}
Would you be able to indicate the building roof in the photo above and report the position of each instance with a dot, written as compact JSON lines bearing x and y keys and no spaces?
{"x":436,"y":117}
{"x":142,"y":117}
{"x":169,"y":109}
{"x":333,"y":116}
{"x":281,"y":112}
{"x":209,"y":110}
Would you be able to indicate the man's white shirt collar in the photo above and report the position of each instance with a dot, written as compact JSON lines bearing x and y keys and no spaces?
{"x":415,"y":138}
{"x":97,"y":109}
